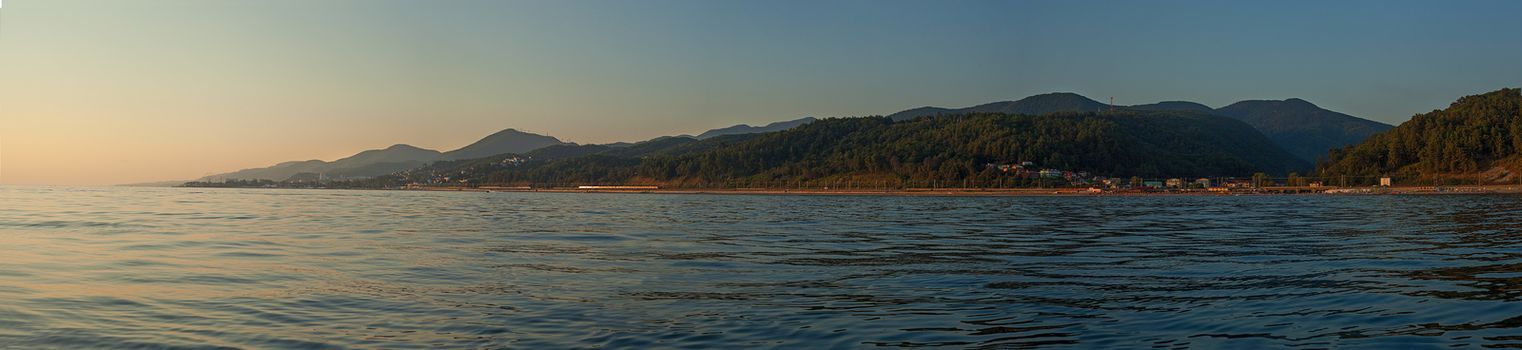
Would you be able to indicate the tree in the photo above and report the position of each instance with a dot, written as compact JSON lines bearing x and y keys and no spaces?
{"x":1259,"y":179}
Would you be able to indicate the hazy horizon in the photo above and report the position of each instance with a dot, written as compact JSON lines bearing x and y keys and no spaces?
{"x":109,"y":92}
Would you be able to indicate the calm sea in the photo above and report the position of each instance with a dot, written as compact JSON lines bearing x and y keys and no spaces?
{"x":139,"y":268}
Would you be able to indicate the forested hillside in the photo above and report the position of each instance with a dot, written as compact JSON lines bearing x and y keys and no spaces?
{"x":1479,"y":135}
{"x":1057,"y":102}
{"x":1295,"y":125}
{"x":946,"y":148}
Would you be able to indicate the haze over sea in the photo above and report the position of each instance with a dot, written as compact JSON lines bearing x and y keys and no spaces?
{"x":85,"y":267}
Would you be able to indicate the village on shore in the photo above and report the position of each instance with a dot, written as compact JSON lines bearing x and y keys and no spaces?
{"x":1022,"y":178}
{"x":1017,"y":179}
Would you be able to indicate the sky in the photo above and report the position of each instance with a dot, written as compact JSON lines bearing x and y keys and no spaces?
{"x":110,"y":92}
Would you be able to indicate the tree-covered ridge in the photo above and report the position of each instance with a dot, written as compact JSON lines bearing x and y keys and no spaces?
{"x":947,"y":148}
{"x":1057,"y":102}
{"x":747,"y":129}
{"x":1479,"y":133}
{"x":1298,"y":126}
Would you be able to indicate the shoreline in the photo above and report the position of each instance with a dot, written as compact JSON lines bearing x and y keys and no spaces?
{"x":955,"y":192}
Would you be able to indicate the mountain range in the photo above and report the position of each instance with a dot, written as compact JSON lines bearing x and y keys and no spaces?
{"x":402,"y":157}
{"x":881,"y":150}
{"x":391,"y":159}
{"x":1297,"y":126}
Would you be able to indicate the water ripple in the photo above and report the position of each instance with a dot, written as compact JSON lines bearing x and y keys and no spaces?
{"x":131,"y":268}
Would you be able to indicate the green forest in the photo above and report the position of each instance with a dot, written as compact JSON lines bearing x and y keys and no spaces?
{"x":878,"y":149}
{"x":1478,"y":138}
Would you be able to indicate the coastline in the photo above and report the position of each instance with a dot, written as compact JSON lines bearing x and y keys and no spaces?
{"x":1022,"y":192}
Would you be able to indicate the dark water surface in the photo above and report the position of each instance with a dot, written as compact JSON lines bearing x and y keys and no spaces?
{"x":201,"y":268}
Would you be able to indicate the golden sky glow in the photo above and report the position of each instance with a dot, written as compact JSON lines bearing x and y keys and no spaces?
{"x":99,"y":92}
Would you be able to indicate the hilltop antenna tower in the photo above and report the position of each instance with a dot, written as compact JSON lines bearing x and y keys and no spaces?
{"x":1112,"y":104}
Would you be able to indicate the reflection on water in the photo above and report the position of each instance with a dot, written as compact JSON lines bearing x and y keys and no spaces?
{"x":165,"y":268}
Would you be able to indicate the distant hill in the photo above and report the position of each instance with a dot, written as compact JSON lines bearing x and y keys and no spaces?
{"x":392,"y":159}
{"x":505,"y":141}
{"x":1034,"y":105}
{"x":363,"y":164}
{"x":1174,"y":106}
{"x":630,"y":144}
{"x":1477,"y":137}
{"x":1302,"y":128}
{"x":371,"y":169}
{"x":747,"y":129}
{"x":1122,"y":143}
{"x":395,"y":154}
{"x":927,"y":111}
{"x":155,"y":184}
{"x":275,"y":172}
{"x":740,"y":129}
{"x":1297,"y":126}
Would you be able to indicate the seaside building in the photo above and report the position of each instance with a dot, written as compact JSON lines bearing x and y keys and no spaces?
{"x":513,"y":161}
